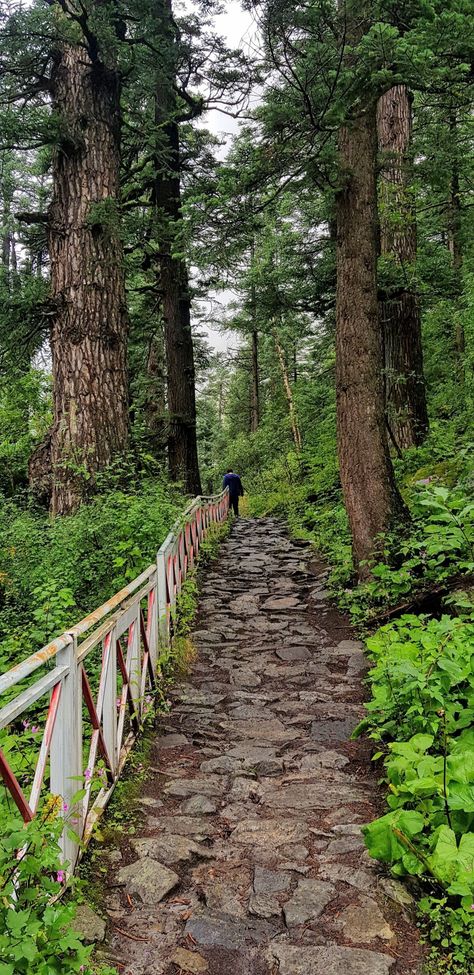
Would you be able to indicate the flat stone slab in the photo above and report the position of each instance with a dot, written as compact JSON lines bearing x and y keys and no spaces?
{"x":324,"y":759}
{"x":270,"y":833}
{"x":308,"y":901}
{"x":333,"y":729}
{"x":168,"y":848}
{"x":185,"y":825}
{"x":364,"y":922}
{"x":173,"y":741}
{"x":189,"y":961}
{"x":270,"y":881}
{"x":293,"y":653}
{"x":281,"y":602}
{"x":311,"y":795}
{"x":328,"y":960}
{"x":264,"y":905}
{"x":272,"y":730}
{"x":198,"y":806}
{"x":209,"y":929}
{"x":209,"y":785}
{"x":147,"y":878}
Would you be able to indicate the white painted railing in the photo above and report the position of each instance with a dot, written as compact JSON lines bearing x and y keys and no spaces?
{"x":96,"y":678}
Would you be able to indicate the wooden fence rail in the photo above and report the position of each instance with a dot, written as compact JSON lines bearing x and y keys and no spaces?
{"x":97,"y":678}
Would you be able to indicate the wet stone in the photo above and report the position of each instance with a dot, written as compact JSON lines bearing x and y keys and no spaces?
{"x":341,"y":872}
{"x":272,"y":730}
{"x":325,"y":759}
{"x":270,"y":881}
{"x":327,"y":960}
{"x":185,"y":825}
{"x":223,"y":899}
{"x":281,"y":602}
{"x":364,"y":922}
{"x":173,"y":741}
{"x":209,"y":929}
{"x":270,"y":833}
{"x":222,"y":765}
{"x":211,"y":785}
{"x":264,"y":905}
{"x":198,"y":806}
{"x":293,"y":653}
{"x":189,"y":961}
{"x":344,"y":844}
{"x":168,"y":848}
{"x":308,"y":901}
{"x":300,"y":796}
{"x":147,"y":878}
{"x":333,"y":730}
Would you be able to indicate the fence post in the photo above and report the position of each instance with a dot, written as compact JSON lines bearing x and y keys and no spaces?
{"x":163,"y":631}
{"x":66,"y":748}
{"x":109,"y":706}
{"x":134,"y":656}
{"x":152,"y":626}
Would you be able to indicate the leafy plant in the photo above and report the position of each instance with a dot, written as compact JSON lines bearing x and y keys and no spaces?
{"x":37,"y":934}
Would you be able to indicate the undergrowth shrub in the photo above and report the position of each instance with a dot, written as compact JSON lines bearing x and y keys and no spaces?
{"x":421,"y":715}
{"x":54,"y":572}
{"x":37,"y":935}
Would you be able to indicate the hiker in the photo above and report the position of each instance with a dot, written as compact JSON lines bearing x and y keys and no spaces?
{"x":236,"y":491}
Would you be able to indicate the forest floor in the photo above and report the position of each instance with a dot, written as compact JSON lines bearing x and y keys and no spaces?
{"x":248,"y":859}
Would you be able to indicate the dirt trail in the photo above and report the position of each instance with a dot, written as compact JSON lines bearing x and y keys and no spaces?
{"x":249,"y":859}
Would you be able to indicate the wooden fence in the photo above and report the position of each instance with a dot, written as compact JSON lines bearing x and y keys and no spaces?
{"x":98,"y":678}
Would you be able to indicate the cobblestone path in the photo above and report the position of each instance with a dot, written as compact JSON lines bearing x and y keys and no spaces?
{"x":249,"y":859}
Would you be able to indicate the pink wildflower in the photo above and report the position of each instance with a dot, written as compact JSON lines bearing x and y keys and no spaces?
{"x":87,"y":774}
{"x":60,"y":876}
{"x":65,"y":806}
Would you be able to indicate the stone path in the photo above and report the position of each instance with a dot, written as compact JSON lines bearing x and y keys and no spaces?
{"x":249,"y":859}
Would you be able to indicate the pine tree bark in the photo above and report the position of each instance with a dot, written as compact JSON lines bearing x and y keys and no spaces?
{"x":174,"y":283}
{"x":405,"y":393}
{"x":372,"y":501}
{"x":90,"y":327}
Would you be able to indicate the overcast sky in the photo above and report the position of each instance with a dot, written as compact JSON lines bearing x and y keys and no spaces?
{"x":238,"y":28}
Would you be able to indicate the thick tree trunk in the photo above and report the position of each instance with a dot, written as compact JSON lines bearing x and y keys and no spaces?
{"x":89,"y":332}
{"x":405,"y":394}
{"x":371,"y":498}
{"x":174,"y":282}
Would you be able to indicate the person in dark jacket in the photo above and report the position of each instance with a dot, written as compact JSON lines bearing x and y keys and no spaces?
{"x":236,"y":491}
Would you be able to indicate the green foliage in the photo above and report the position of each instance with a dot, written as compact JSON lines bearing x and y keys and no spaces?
{"x":440,"y":547}
{"x":53,"y":572}
{"x":448,"y":933}
{"x":25,"y":414}
{"x":421,"y":714}
{"x":37,"y":934}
